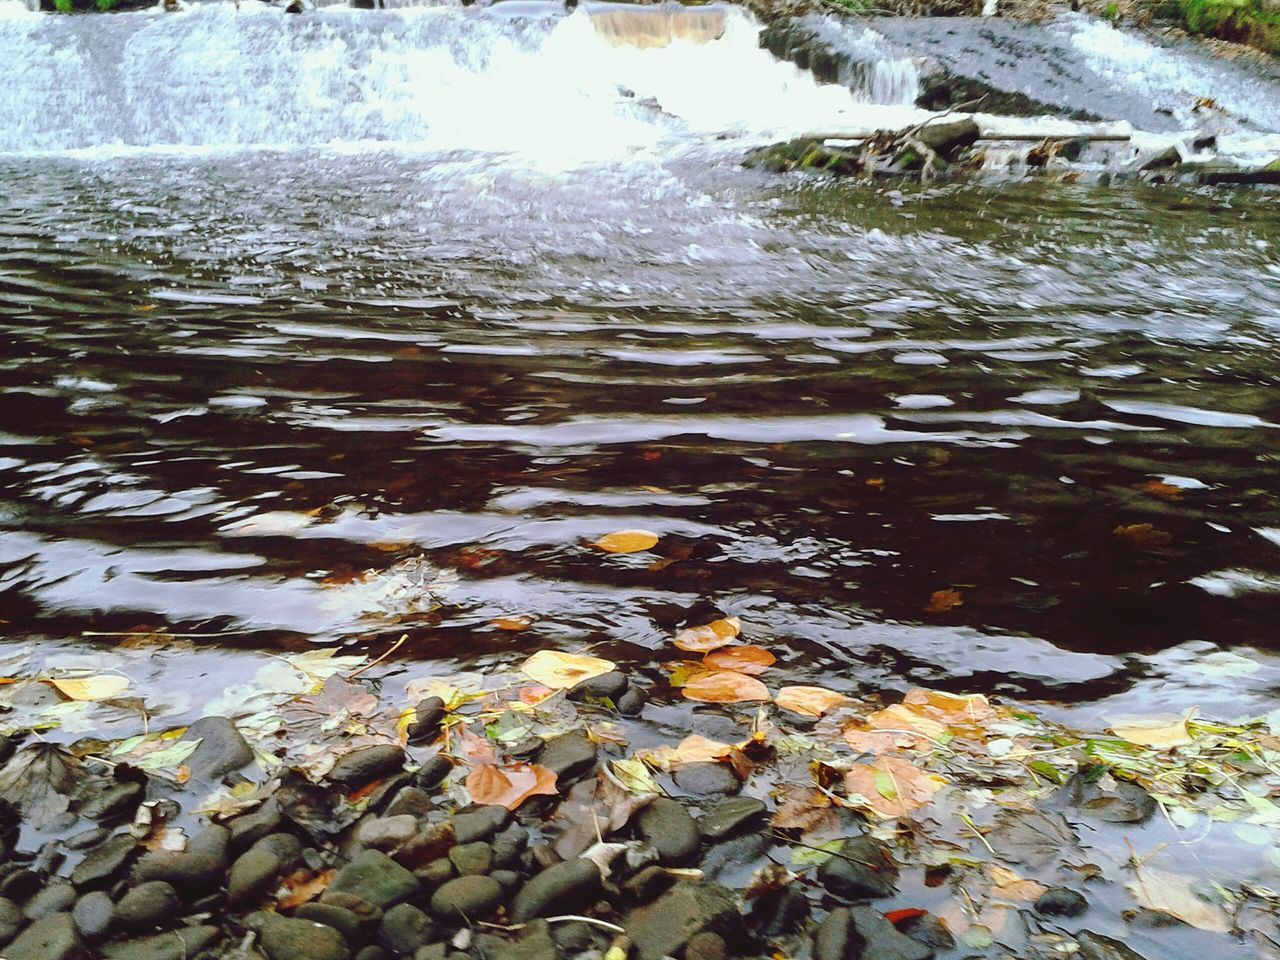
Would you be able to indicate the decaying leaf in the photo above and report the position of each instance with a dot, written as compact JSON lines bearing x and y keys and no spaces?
{"x":744,"y":659}
{"x":725,"y":686}
{"x":563,"y":670}
{"x":1034,"y":839}
{"x":891,"y":787}
{"x":809,"y":811}
{"x":709,"y":636}
{"x":1158,"y":488}
{"x":634,"y":776}
{"x":1172,"y":893}
{"x":1142,"y":536}
{"x":1161,"y":731}
{"x":103,"y":687}
{"x":627,"y":541}
{"x":39,"y":779}
{"x":303,"y":886}
{"x":950,"y":708}
{"x":809,"y":701}
{"x":940,"y":601}
{"x":1007,"y":885}
{"x":510,"y":786}
{"x":694,"y":748}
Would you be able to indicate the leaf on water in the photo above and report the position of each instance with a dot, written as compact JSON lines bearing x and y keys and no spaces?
{"x":694,"y":748}
{"x":510,"y":786}
{"x":940,"y":601}
{"x":725,"y":686}
{"x":1142,"y":536}
{"x":1162,"y":731}
{"x":892,"y":787}
{"x":103,"y":687}
{"x":744,"y":659}
{"x":1034,"y":839}
{"x":809,"y":701}
{"x":515,"y":624}
{"x":563,"y":670}
{"x":1008,"y":885}
{"x":340,"y":700}
{"x":802,"y":858}
{"x":1172,"y":893}
{"x":1158,"y":488}
{"x":627,"y":541}
{"x":708,"y":636}
{"x":167,"y":759}
{"x":473,"y":750}
{"x":39,"y":779}
{"x":808,"y":811}
{"x":902,"y":719}
{"x":634,"y":776}
{"x":303,"y":886}
{"x":950,"y":708}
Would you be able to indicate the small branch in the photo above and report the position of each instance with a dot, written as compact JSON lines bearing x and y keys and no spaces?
{"x":373,"y":663}
{"x":568,"y":918}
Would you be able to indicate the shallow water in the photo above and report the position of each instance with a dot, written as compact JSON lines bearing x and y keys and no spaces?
{"x":457,"y":350}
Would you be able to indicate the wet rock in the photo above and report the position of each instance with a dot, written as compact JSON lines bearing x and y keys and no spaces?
{"x":118,"y":800}
{"x":373,"y":876}
{"x":405,"y":928}
{"x":19,"y":884}
{"x":1109,"y":800}
{"x":929,"y":930}
{"x":707,"y":779}
{"x":147,"y":905}
{"x":248,"y":828}
{"x":631,"y":703}
{"x":669,"y":828}
{"x":286,"y":847}
{"x":387,"y":833}
{"x":509,"y":879}
{"x":950,"y":138}
{"x":252,"y":875}
{"x":472,"y":859}
{"x":428,"y":715}
{"x":436,"y":872}
{"x":410,"y":801}
{"x":731,"y":818}
{"x":569,"y":756}
{"x":432,"y":773}
{"x":706,"y":946}
{"x":865,"y":934}
{"x":341,"y":919}
{"x":779,"y":913}
{"x":1159,"y":159}
{"x":102,"y":863}
{"x":87,"y":838}
{"x":53,"y":937}
{"x":470,"y":897}
{"x":57,"y":897}
{"x":222,"y":749}
{"x":648,"y":884}
{"x":367,"y":764}
{"x":863,"y":869}
{"x":196,"y":870}
{"x":367,"y":913}
{"x":508,"y":845}
{"x":573,"y":937}
{"x":480,"y":823}
{"x":1061,"y":902}
{"x":558,"y":889}
{"x":10,"y":920}
{"x":1094,"y":946}
{"x":731,"y":861}
{"x":662,"y":928}
{"x":93,"y":914}
{"x":293,"y":939}
{"x":180,"y":944}
{"x":528,"y":748}
{"x":607,"y":686}
{"x":535,"y":942}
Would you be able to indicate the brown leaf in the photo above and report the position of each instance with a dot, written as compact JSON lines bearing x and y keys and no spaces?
{"x":627,"y":541}
{"x":752,"y":661}
{"x":515,"y":624}
{"x":892,"y":787}
{"x":510,"y":786}
{"x":1142,"y":536}
{"x":808,"y":811}
{"x":303,"y":886}
{"x":1165,"y":491}
{"x":1008,"y":885}
{"x":725,"y":686}
{"x":940,"y":601}
{"x":694,"y":748}
{"x":1173,"y":893}
{"x":472,"y":750}
{"x":709,"y":636}
{"x":950,"y":708}
{"x":563,"y":670}
{"x":809,"y":701}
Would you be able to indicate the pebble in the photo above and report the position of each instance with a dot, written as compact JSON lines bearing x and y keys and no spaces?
{"x":1061,"y":902}
{"x":366,"y":912}
{"x":10,"y":920}
{"x":103,"y":862}
{"x":57,"y":897}
{"x":732,"y":817}
{"x":286,"y":847}
{"x":480,"y":823}
{"x":864,"y":933}
{"x":195,"y":870}
{"x":177,"y":945}
{"x":405,"y":928}
{"x":706,"y":946}
{"x":373,"y":876}
{"x":426,"y":723}
{"x":472,"y":859}
{"x":411,"y":801}
{"x":387,"y":833}
{"x":662,"y":928}
{"x":293,"y":939}
{"x":53,"y":937}
{"x":863,"y":870}
{"x":707,"y":779}
{"x":340,"y":918}
{"x":557,"y":889}
{"x":222,"y":748}
{"x":509,"y":879}
{"x":779,"y":912}
{"x":436,"y":872}
{"x":432,"y":773}
{"x":118,"y":800}
{"x":670,"y":830}
{"x":367,"y":764}
{"x":248,"y":828}
{"x":508,"y":845}
{"x":568,"y":756}
{"x":252,"y":875}
{"x":146,"y":905}
{"x":611,"y":685}
{"x":631,"y":703}
{"x":929,"y":930}
{"x":93,"y":914}
{"x":467,"y":897}
{"x":87,"y":838}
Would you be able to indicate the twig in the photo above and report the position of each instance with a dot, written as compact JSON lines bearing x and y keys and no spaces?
{"x":373,"y":663}
{"x":568,"y":918}
{"x":968,"y":822}
{"x":162,"y":633}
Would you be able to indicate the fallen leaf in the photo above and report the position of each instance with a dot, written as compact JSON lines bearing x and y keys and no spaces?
{"x":745,"y":659}
{"x":892,"y":787}
{"x":91,"y":688}
{"x":725,"y":686}
{"x":1008,"y":885}
{"x":804,"y":857}
{"x":902,"y":718}
{"x":515,"y":624}
{"x":709,"y":636}
{"x":807,"y":811}
{"x":510,"y":786}
{"x":634,"y":776}
{"x":1142,"y":536}
{"x":809,"y":701}
{"x":694,"y":748}
{"x":950,"y":707}
{"x":1033,"y":839}
{"x":627,"y":541}
{"x":39,"y":779}
{"x":1172,"y":893}
{"x":1162,"y":731}
{"x":563,"y":670}
{"x":1165,"y":491}
{"x":303,"y":886}
{"x":940,"y":601}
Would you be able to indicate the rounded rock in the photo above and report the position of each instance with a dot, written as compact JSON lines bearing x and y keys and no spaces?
{"x":671,"y":830}
{"x":252,"y":875}
{"x":147,"y":905}
{"x":222,"y":748}
{"x":467,"y":897}
{"x":472,"y":859}
{"x":405,"y":928}
{"x":557,"y":889}
{"x":57,"y":897}
{"x":340,"y":918}
{"x":196,"y":870}
{"x":293,"y":939}
{"x":367,"y":764}
{"x":707,"y":779}
{"x":93,"y":914}
{"x":1061,"y":902}
{"x":53,"y":937}
{"x":387,"y":833}
{"x":731,"y":818}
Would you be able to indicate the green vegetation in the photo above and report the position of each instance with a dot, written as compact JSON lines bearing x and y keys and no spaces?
{"x":1111,"y":12}
{"x":105,"y":5}
{"x":1254,"y":22}
{"x":62,"y":6}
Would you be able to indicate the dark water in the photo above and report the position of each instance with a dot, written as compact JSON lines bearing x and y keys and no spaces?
{"x":228,"y":384}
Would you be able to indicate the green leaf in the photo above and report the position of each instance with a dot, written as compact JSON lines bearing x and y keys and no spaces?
{"x":802,"y":858}
{"x":635,"y":776}
{"x":1047,"y":770}
{"x":168,"y":759}
{"x":884,"y":784}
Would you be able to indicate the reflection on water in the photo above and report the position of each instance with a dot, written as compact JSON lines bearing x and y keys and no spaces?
{"x":249,"y":393}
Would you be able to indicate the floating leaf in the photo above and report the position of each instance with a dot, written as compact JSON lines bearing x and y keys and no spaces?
{"x":950,"y":708}
{"x":634,"y":776}
{"x":39,"y":779}
{"x":167,"y":759}
{"x":1158,"y":488}
{"x":1010,"y":886}
{"x":809,"y":701}
{"x":563,"y":670}
{"x":1161,"y":731}
{"x":1172,"y":893}
{"x":694,"y":748}
{"x":892,"y":787}
{"x":807,"y":811}
{"x":804,"y":857}
{"x":510,"y":786}
{"x":940,"y":601}
{"x":103,"y":687}
{"x":709,"y":636}
{"x":303,"y":886}
{"x":725,"y":686}
{"x":1031,"y":838}
{"x":627,"y":541}
{"x":745,"y":659}
{"x":515,"y":624}
{"x":1142,"y":536}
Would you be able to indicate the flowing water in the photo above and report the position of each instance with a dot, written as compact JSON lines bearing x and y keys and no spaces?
{"x":446,"y":294}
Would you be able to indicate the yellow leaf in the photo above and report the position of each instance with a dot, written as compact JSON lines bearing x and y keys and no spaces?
{"x":627,"y":541}
{"x":1172,"y":893}
{"x":1160,"y":731}
{"x":950,"y":707}
{"x":694,"y":748}
{"x":91,"y":688}
{"x":809,"y":701}
{"x":725,"y":686}
{"x":891,"y":787}
{"x":1009,"y":886}
{"x":745,"y":659}
{"x":560,"y":671}
{"x":709,"y":636}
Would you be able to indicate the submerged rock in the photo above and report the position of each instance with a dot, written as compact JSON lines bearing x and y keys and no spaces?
{"x":367,"y":764}
{"x":467,"y":897}
{"x":373,"y":876}
{"x":861,"y":933}
{"x":50,"y":938}
{"x":662,"y":928}
{"x":222,"y":748}
{"x":1061,"y":902}
{"x":287,"y":938}
{"x":862,"y":869}
{"x":181,"y":944}
{"x":669,"y":829}
{"x":707,"y":779}
{"x":558,"y":889}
